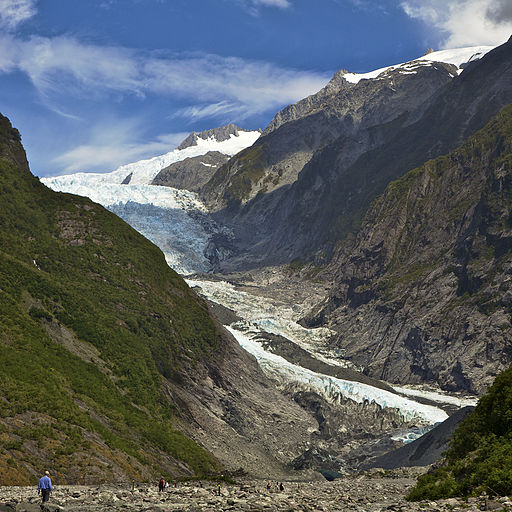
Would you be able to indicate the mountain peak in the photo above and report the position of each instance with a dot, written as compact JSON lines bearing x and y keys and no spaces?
{"x":10,"y":144}
{"x":220,"y":134}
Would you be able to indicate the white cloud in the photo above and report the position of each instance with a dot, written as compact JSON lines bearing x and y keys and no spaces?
{"x":64,"y":66}
{"x":111,"y":144}
{"x":283,"y":4}
{"x":464,"y":22}
{"x":14,"y":12}
{"x":254,"y":6}
{"x":222,"y":109}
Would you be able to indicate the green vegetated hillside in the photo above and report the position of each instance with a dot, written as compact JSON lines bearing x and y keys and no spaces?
{"x":480,"y":456}
{"x":93,"y":327}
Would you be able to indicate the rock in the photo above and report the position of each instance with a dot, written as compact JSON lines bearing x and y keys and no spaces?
{"x":51,"y":507}
{"x":28,"y":507}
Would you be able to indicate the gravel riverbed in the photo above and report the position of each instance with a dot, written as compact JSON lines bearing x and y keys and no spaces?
{"x":371,"y":492}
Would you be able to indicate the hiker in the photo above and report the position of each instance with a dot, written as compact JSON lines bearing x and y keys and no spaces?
{"x":45,"y":487}
{"x":166,"y":486}
{"x":268,"y":485}
{"x":281,"y":487}
{"x":161,"y":485}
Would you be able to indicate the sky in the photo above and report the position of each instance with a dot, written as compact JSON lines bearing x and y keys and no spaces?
{"x":94,"y":84}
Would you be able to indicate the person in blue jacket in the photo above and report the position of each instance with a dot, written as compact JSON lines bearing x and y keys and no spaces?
{"x":45,"y":486}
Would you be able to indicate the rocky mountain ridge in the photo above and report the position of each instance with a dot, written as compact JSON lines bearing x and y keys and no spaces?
{"x":305,"y":219}
{"x":191,"y":173}
{"x":296,"y":133}
{"x":220,"y":134}
{"x":422,"y":293}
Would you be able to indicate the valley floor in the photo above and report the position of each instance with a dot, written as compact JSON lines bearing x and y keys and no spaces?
{"x":370,"y":492}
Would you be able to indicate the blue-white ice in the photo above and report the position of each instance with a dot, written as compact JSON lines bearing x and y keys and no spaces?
{"x":332,"y":388}
{"x":175,"y":220}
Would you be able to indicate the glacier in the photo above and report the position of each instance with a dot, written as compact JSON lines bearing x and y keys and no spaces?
{"x":174,"y":220}
{"x":334,"y":389}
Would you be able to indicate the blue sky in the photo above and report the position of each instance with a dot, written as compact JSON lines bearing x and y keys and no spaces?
{"x":93,"y":84}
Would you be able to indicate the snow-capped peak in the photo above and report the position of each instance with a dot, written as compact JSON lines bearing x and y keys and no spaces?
{"x":459,"y":57}
{"x":143,"y":171}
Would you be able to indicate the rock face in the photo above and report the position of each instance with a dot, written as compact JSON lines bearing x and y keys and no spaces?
{"x":192,"y":173}
{"x":220,"y":134}
{"x":424,"y":451}
{"x":423,"y":292}
{"x":297,"y":132}
{"x":359,"y":139}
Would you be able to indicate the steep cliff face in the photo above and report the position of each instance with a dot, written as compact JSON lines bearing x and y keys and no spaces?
{"x":192,"y":173}
{"x":327,"y":201}
{"x":423,"y":293}
{"x":330,"y":198}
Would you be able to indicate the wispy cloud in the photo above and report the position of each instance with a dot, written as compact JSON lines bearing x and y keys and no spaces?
{"x":112,"y":143}
{"x":254,"y":6}
{"x":464,"y":22}
{"x":14,"y":12}
{"x":283,"y":4}
{"x":64,"y":65}
{"x":222,"y":109}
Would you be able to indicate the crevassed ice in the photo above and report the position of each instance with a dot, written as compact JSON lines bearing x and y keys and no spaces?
{"x":161,"y":214}
{"x":265,"y":315}
{"x":332,"y":388}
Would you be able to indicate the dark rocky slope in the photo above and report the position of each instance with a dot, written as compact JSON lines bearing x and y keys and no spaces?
{"x":341,"y":108}
{"x":423,"y":293}
{"x":192,"y":173}
{"x":424,"y":451}
{"x":333,"y":190}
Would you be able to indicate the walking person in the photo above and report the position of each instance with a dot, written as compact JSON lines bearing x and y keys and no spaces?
{"x":45,"y":487}
{"x":161,"y":485}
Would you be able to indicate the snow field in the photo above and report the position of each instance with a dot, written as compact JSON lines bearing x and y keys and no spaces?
{"x":144,"y":171}
{"x":458,"y":57}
